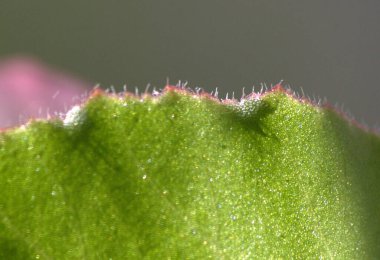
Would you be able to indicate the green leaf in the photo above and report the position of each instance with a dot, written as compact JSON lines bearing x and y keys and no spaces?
{"x":183,"y":176}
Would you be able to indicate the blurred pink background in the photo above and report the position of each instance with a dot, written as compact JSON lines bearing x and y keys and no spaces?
{"x":30,"y":89}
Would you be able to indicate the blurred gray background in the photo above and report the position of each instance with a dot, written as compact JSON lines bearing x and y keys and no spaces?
{"x":329,"y":48}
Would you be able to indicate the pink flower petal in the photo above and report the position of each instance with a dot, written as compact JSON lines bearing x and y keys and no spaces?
{"x":29,"y":89}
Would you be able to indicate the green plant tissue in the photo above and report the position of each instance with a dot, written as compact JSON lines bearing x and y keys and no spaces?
{"x":184,"y":176}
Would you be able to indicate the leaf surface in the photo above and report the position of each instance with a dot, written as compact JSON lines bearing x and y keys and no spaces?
{"x":184,"y":176}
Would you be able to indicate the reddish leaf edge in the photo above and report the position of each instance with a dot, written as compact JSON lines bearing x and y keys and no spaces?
{"x":183,"y":90}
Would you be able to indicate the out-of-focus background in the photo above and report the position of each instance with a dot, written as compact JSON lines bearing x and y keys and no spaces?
{"x":329,"y":48}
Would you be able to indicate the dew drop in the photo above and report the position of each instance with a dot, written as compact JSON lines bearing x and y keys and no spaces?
{"x":73,"y":116}
{"x":144,"y":177}
{"x":233,"y":217}
{"x":53,"y":193}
